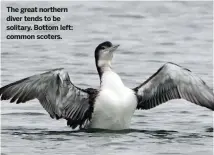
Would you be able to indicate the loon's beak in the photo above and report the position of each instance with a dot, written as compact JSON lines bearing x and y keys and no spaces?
{"x":113,"y":48}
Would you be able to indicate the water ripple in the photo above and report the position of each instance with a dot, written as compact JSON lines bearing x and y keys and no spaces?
{"x":24,"y":113}
{"x":127,"y":16}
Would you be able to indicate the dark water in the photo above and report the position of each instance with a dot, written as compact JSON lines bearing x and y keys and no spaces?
{"x":150,"y":34}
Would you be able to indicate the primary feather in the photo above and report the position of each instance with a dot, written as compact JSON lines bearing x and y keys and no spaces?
{"x":58,"y":96}
{"x":173,"y":82}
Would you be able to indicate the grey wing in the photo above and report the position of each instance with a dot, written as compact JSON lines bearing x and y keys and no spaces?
{"x":173,"y":82}
{"x":56,"y":93}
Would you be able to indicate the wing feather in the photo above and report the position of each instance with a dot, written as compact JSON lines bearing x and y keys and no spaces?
{"x":56,"y":93}
{"x":173,"y":82}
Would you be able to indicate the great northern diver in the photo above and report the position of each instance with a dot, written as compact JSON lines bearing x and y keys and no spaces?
{"x":113,"y":104}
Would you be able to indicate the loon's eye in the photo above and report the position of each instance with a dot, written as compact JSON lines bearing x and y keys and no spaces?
{"x":102,"y":47}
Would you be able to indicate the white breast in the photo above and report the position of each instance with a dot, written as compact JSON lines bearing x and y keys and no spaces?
{"x":114,"y":105}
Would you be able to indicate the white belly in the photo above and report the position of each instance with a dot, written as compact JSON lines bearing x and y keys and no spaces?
{"x":114,"y":106}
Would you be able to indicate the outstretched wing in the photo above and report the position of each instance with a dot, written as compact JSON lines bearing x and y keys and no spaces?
{"x":173,"y":82}
{"x":59,"y":97}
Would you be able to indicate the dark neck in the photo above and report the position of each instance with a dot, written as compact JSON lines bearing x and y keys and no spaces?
{"x":100,"y":72}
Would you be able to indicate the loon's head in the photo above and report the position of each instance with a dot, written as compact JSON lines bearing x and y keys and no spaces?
{"x":104,"y":55}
